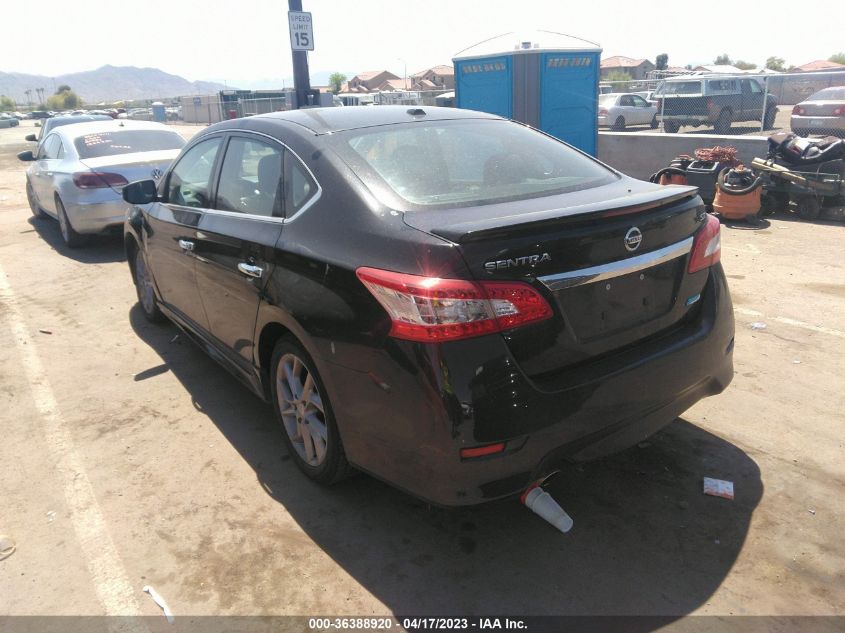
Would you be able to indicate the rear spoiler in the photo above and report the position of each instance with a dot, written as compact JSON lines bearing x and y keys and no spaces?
{"x":481,"y":228}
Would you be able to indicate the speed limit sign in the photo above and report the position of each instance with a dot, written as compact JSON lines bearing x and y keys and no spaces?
{"x":301,"y":31}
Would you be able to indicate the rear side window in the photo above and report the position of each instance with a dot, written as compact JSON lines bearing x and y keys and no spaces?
{"x":679,"y":88}
{"x":190,"y":180}
{"x":462,"y":163}
{"x":251,"y":178}
{"x":301,"y":187}
{"x":50,"y":148}
{"x":126,"y":142}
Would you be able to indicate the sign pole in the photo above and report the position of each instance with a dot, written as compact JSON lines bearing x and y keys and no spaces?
{"x":301,"y":80}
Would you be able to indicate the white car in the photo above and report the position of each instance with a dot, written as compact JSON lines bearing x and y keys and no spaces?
{"x":78,"y":172}
{"x":618,"y":110}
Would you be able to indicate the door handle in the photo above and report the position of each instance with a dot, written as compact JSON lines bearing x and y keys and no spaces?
{"x":186,"y":245}
{"x":251,"y":270}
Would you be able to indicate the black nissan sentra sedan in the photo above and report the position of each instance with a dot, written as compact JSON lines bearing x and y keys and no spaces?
{"x":447,"y":300}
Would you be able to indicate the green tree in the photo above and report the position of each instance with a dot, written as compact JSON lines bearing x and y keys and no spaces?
{"x":723,"y":60}
{"x":838,"y":58}
{"x":661,"y":61}
{"x":620,"y":80}
{"x":744,"y":65}
{"x":6,"y":103}
{"x":65,"y":100}
{"x":775,"y":63}
{"x":63,"y":88}
{"x":336,"y":81}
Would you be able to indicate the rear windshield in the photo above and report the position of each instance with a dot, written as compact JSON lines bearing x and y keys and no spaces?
{"x":464,"y":163}
{"x":829,"y":94}
{"x":608,"y":100}
{"x":679,"y":88}
{"x":126,"y":142}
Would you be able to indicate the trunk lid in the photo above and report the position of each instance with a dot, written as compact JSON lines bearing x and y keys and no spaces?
{"x":135,"y":166}
{"x":611,"y":261}
{"x":820,"y":108}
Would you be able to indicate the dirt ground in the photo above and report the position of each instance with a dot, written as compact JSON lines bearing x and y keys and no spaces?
{"x":129,"y":458}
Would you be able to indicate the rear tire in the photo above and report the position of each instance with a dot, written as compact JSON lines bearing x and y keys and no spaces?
{"x":723,"y":123}
{"x":69,"y":235}
{"x":671,"y":127}
{"x":769,"y":119}
{"x":144,"y":288}
{"x":302,"y":407}
{"x":653,"y":123}
{"x":37,"y":211}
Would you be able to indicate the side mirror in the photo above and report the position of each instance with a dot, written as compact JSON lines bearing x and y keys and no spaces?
{"x":140,"y":192}
{"x":26,"y":156}
{"x":31,"y":137}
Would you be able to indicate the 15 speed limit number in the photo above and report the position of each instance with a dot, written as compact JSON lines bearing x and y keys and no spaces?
{"x":301,"y":31}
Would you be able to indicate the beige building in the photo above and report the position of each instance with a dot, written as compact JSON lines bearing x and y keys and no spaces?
{"x":636,"y":68}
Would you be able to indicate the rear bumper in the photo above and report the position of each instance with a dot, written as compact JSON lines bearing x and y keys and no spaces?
{"x":96,"y":216}
{"x":406,"y":411}
{"x":808,"y":124}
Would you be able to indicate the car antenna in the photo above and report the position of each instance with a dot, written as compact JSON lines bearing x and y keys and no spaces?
{"x":416,"y":111}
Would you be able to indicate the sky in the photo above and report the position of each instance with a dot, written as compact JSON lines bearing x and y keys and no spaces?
{"x":241,"y":41}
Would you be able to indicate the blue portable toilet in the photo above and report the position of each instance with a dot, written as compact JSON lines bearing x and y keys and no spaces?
{"x":159,"y":113}
{"x":548,"y":80}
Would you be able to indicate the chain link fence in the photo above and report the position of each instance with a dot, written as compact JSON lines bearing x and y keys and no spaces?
{"x":748,"y":103}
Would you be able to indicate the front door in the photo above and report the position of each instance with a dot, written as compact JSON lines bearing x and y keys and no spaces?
{"x":235,"y":243}
{"x":171,"y":238}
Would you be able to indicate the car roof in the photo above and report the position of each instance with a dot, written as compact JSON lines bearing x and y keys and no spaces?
{"x":328,"y":120}
{"x":109,"y":125}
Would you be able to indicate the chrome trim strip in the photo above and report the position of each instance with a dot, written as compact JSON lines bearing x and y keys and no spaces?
{"x":572,"y":278}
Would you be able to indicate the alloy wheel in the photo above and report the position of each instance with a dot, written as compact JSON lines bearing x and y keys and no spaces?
{"x":301,"y":408}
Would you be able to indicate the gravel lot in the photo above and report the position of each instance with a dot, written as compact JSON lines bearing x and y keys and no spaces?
{"x":129,"y":458}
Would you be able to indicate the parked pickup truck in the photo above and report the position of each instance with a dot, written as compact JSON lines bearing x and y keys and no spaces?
{"x":713,"y":100}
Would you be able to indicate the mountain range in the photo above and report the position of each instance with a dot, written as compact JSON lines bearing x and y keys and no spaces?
{"x":107,"y":84}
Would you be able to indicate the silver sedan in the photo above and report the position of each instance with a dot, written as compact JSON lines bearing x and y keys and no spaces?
{"x":821,"y":113}
{"x":618,"y":110}
{"x":78,"y":172}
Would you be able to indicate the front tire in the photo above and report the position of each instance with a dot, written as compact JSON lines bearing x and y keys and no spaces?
{"x":302,"y":407}
{"x":69,"y":235}
{"x":619,"y":124}
{"x":653,"y":123}
{"x":37,"y":211}
{"x":808,"y":208}
{"x":145,"y":289}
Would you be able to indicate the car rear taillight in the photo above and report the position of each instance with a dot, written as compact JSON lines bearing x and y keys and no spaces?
{"x":798,"y":110}
{"x":430,"y":309}
{"x":482,"y":451}
{"x":603,"y":112}
{"x":98,"y":180}
{"x":711,"y":105}
{"x":707,"y":245}
{"x":839,"y":111}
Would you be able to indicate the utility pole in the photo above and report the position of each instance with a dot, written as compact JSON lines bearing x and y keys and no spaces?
{"x":301,"y":80}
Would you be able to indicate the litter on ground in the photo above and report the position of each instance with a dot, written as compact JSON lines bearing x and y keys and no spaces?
{"x":160,"y":602}
{"x":719,"y":488}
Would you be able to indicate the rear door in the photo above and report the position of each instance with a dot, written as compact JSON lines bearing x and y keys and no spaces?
{"x":171,"y":239}
{"x":235,"y":241}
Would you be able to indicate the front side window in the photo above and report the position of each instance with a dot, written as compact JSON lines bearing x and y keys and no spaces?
{"x":50,"y":148}
{"x":469,"y":162}
{"x":190,"y":181}
{"x":755,"y":87}
{"x":251,"y":178}
{"x":639,"y":101}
